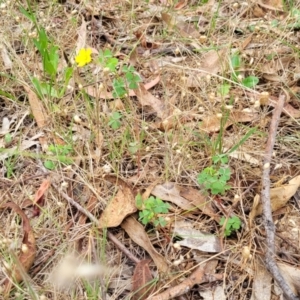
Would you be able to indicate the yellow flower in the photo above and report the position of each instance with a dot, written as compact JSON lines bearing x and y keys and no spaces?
{"x":83,"y":57}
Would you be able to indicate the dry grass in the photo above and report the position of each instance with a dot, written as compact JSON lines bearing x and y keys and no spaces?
{"x":176,"y":155}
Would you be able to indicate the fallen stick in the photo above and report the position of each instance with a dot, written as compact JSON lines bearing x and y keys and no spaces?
{"x":95,"y":220}
{"x":267,"y":212}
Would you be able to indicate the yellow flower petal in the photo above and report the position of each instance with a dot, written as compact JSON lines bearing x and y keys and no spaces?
{"x":84,"y":57}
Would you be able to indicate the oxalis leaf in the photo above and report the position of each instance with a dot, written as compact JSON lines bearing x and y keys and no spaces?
{"x":250,"y":81}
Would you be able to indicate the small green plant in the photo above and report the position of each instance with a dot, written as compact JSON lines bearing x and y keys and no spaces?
{"x":231,"y":224}
{"x":215,"y":179}
{"x":7,"y":138}
{"x":114,"y":120}
{"x":49,"y":52}
{"x":150,"y":210}
{"x":133,"y":147}
{"x":10,"y":164}
{"x":61,"y":153}
{"x":124,"y":78}
{"x":236,"y":63}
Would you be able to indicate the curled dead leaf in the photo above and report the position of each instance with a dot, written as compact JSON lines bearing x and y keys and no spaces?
{"x":26,"y":257}
{"x":262,"y":279}
{"x":279,"y":196}
{"x":82,"y":33}
{"x":37,"y":108}
{"x":212,"y":63}
{"x":213,"y":124}
{"x":195,"y":239}
{"x":291,"y":275}
{"x":204,"y":273}
{"x":147,"y":99}
{"x":122,"y":205}
{"x":138,"y":234}
{"x":142,"y":285}
{"x":199,"y":200}
{"x":169,"y":192}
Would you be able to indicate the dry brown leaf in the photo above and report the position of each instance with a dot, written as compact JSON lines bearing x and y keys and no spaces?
{"x":180,"y":4}
{"x":213,"y":124}
{"x":279,"y":196}
{"x":149,"y":189}
{"x":195,"y":239}
{"x":138,"y":234}
{"x":26,"y":258}
{"x":169,"y":192}
{"x":5,"y":57}
{"x":291,"y":275}
{"x":272,"y":101}
{"x":245,"y":42}
{"x":41,"y":191}
{"x":275,"y":5}
{"x":199,"y":200}
{"x":258,"y":12}
{"x":142,"y":285}
{"x":147,"y":99}
{"x":116,"y":105}
{"x":90,"y":207}
{"x":122,"y":205}
{"x":274,"y":77}
{"x":203,"y":273}
{"x":81,"y":40}
{"x":243,"y":156}
{"x":187,"y":30}
{"x":169,"y":20}
{"x":262,"y":283}
{"x":39,"y":200}
{"x":271,"y":69}
{"x":213,"y":62}
{"x":37,"y":108}
{"x":213,"y":293}
{"x":291,"y":111}
{"x":256,"y":202}
{"x":144,"y":42}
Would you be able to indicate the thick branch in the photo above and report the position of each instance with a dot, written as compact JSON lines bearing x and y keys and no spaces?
{"x":267,"y":212}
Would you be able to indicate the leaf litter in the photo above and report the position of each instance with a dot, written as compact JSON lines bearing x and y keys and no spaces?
{"x":207,"y":75}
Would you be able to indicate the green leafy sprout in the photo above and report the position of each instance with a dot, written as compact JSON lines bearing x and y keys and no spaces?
{"x":236,"y":63}
{"x":231,"y":224}
{"x":124,"y":78}
{"x":114,"y":120}
{"x":150,"y":209}
{"x":215,"y":179}
{"x":60,"y":152}
{"x":49,"y":53}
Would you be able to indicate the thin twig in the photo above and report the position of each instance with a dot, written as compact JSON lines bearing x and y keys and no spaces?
{"x":95,"y":220}
{"x":267,"y":212}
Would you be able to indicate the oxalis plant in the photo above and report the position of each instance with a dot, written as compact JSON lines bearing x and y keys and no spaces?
{"x":214,"y":178}
{"x":151,"y":210}
{"x":230,"y":225}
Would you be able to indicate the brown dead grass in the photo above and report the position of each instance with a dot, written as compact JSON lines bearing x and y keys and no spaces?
{"x":176,"y":155}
